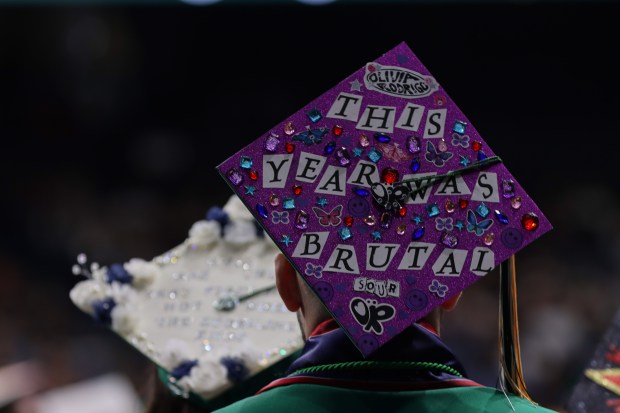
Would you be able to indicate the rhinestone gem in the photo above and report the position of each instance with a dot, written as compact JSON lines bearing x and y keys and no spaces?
{"x":459,"y":224}
{"x":400,"y":230}
{"x":432,"y":210}
{"x":415,"y":165}
{"x":289,"y":128}
{"x":297,"y":189}
{"x":314,"y":115}
{"x":361,"y":191}
{"x":374,"y":155}
{"x":345,"y":233}
{"x":383,"y":138}
{"x":274,"y":200}
{"x":515,"y":203}
{"x":343,"y":156}
{"x":289,"y":147}
{"x":370,"y":220}
{"x":271,"y":143}
{"x":463,"y":203}
{"x":488,"y":239}
{"x":245,"y":162}
{"x":508,"y":188}
{"x":483,"y":210}
{"x":441,"y":146}
{"x":449,"y":239}
{"x":417,"y":233}
{"x":385,"y":220}
{"x":364,"y":142}
{"x":234,"y":176}
{"x":329,"y":148}
{"x":262,"y":211}
{"x":501,"y":217}
{"x":481,"y":156}
{"x":402,"y":211}
{"x":530,"y":221}
{"x":389,"y":175}
{"x":254,"y":175}
{"x":450,"y":207}
{"x":337,"y":130}
{"x":348,"y":221}
{"x":459,"y":127}
{"x":413,"y":144}
{"x":301,"y":220}
{"x":288,"y":203}
{"x":476,"y":145}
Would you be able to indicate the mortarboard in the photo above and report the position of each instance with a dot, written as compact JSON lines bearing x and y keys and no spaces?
{"x":205,"y":312}
{"x":598,"y":390}
{"x":384,"y":197}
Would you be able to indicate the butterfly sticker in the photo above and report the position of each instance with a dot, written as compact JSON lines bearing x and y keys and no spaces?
{"x":370,"y":315}
{"x":393,"y":152}
{"x":435,"y":157}
{"x":328,"y":218}
{"x":388,"y":196}
{"x":279,"y":217}
{"x":478,"y":227}
{"x":311,"y":136}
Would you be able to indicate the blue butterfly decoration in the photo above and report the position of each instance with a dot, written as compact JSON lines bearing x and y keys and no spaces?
{"x":436,"y":157}
{"x":478,"y":227}
{"x":311,"y":136}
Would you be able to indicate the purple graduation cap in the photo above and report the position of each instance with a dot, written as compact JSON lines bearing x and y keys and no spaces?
{"x":384,"y":197}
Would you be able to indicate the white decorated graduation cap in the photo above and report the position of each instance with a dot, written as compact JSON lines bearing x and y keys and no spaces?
{"x":384,"y":197}
{"x":206,"y":312}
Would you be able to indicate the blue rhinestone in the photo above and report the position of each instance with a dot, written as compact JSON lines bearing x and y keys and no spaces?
{"x":262,"y":211}
{"x":329,"y":148}
{"x":234,"y":176}
{"x":361,"y":191}
{"x":374,"y":155}
{"x":415,"y":165}
{"x":345,"y":233}
{"x":481,"y":156}
{"x":246,"y":162}
{"x":459,"y":127}
{"x":501,"y":217}
{"x":288,"y":203}
{"x":482,"y":210}
{"x":418,"y":233}
{"x":314,"y":115}
{"x":382,"y":138}
{"x":432,"y":210}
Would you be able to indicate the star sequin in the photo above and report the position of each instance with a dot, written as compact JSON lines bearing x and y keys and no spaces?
{"x":286,"y":240}
{"x":321,"y":202}
{"x":376,"y":235}
{"x":459,"y":225}
{"x":464,"y":160}
{"x":356,"y":86}
{"x":417,"y":219}
{"x":357,"y":151}
{"x":249,"y":190}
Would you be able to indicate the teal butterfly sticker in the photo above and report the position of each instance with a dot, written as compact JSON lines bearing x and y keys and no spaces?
{"x":311,"y":136}
{"x":478,"y":227}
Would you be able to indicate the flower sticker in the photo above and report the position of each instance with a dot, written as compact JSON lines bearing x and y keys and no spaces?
{"x":438,"y":288}
{"x":442,"y":224}
{"x":279,"y":217}
{"x":460,"y":140}
{"x":314,"y":270}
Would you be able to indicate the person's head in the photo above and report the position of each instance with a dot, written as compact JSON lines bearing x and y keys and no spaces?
{"x":300,"y":298}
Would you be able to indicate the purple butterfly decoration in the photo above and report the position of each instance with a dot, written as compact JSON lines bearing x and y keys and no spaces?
{"x":435,"y":157}
{"x":328,"y":218}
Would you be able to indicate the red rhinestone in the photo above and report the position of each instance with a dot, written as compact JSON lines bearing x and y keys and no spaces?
{"x":254,"y":175}
{"x":290,"y":147}
{"x":297,"y":189}
{"x":389,"y":175}
{"x":337,"y":130}
{"x":529,"y":221}
{"x":476,"y":146}
{"x":402,"y":211}
{"x":463,"y":203}
{"x":348,"y":221}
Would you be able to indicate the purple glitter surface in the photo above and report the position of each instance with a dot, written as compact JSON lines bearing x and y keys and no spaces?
{"x":365,"y":280}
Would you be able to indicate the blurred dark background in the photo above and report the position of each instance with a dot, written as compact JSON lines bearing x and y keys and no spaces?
{"x":113,"y":118}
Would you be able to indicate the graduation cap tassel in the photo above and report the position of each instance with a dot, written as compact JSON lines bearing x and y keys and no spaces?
{"x":511,"y":373}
